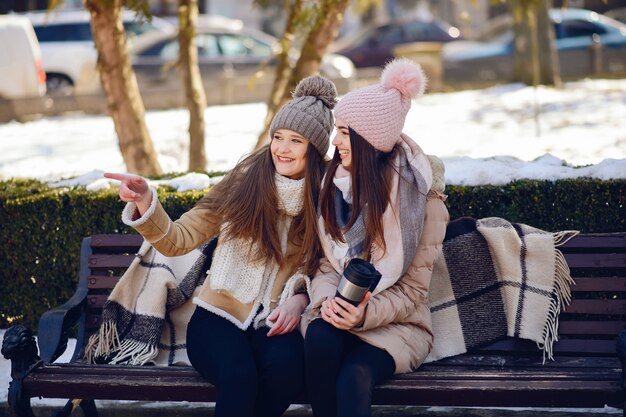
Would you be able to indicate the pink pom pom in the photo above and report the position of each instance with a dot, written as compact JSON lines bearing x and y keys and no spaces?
{"x":405,"y":76}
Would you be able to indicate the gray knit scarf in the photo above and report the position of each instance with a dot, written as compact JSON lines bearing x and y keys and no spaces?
{"x":411,"y":193}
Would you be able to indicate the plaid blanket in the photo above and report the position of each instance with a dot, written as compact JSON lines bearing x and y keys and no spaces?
{"x":497,"y":279}
{"x":145,"y":317}
{"x":494,"y":279}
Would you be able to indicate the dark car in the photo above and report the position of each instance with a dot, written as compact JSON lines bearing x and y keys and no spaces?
{"x":373,"y":46}
{"x":586,"y":43}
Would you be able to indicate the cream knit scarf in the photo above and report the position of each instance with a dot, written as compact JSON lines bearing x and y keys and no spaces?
{"x":233,"y":269}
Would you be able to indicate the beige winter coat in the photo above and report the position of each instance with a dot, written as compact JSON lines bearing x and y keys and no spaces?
{"x":398,"y":318}
{"x":192,"y":229}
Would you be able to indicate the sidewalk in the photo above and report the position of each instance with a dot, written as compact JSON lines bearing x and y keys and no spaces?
{"x":169,"y":409}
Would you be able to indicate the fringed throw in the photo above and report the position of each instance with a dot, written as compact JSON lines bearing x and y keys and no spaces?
{"x":145,"y":317}
{"x":497,"y":279}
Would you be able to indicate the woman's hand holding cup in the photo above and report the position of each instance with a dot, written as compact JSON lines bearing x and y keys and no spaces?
{"x":344,"y":315}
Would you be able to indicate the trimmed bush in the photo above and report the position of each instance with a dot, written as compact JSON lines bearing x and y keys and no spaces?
{"x":42,"y":228}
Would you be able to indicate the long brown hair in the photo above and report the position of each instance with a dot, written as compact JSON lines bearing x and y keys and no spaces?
{"x":370,"y":172}
{"x":246,"y":198}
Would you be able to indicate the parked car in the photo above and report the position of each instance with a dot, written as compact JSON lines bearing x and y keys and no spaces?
{"x":373,"y":45}
{"x":21,"y":71}
{"x":586,"y":42}
{"x":68,"y":50}
{"x":226,"y":50}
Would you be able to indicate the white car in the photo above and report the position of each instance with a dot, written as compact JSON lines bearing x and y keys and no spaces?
{"x":68,"y":51}
{"x":21,"y":72}
{"x":226,"y":51}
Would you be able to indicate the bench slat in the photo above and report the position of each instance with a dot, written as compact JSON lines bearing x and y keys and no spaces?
{"x":110,"y":261}
{"x":591,"y":327}
{"x":534,"y":371}
{"x":597,"y":307}
{"x":102,"y":282}
{"x":564,"y":346}
{"x":116,"y":241}
{"x":599,"y":284}
{"x":596,"y":260}
{"x":593,"y":241}
{"x":496,"y":388}
{"x":515,"y":361}
{"x":505,"y":393}
{"x":96,"y":300}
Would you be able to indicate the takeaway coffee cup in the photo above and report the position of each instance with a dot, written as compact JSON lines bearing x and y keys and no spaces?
{"x":359,"y":277}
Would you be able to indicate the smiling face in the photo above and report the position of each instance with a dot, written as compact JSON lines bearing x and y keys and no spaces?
{"x":342,"y":142}
{"x":288,"y":150}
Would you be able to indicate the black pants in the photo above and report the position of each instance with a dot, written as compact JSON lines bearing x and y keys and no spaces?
{"x":255,"y":375}
{"x":341,"y":371}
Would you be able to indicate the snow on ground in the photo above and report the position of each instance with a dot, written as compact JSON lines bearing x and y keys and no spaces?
{"x":484,"y":136}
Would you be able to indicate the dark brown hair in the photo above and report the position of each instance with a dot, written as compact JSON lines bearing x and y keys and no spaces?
{"x":246,"y":198}
{"x":371,"y":172}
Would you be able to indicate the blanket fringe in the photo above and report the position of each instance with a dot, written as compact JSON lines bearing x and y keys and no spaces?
{"x":106,"y":344}
{"x":103,"y":343}
{"x":133,"y":352}
{"x":561,"y":238}
{"x":562,"y":294}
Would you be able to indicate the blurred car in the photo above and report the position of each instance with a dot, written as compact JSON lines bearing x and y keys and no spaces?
{"x":226,"y":50}
{"x":582,"y":38}
{"x":68,"y":50}
{"x":21,"y":72}
{"x":373,"y":46}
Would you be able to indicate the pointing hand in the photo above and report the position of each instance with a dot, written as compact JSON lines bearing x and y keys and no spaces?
{"x":133,"y":188}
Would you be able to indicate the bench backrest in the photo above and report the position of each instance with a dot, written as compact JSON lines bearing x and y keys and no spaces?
{"x":588,"y":325}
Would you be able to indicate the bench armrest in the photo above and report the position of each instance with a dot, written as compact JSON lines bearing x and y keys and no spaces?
{"x":55,"y":326}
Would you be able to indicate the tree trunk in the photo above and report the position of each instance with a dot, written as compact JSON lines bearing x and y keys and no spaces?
{"x":550,"y":70}
{"x":283,"y":70}
{"x":327,"y":22}
{"x":120,"y":87}
{"x":522,"y":55}
{"x":535,"y":59}
{"x":192,"y":82}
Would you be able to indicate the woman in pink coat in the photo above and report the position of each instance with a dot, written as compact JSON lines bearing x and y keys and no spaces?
{"x":381,"y":201}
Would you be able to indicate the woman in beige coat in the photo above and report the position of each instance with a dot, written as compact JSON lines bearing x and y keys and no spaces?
{"x":381,"y":201}
{"x":240,"y":337}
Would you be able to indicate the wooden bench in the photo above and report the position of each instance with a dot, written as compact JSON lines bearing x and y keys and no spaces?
{"x":586,"y":371}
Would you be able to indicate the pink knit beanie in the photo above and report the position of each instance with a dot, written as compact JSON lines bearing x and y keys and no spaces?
{"x":377,"y":112}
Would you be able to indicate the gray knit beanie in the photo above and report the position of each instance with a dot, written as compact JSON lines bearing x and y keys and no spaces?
{"x":309,"y":113}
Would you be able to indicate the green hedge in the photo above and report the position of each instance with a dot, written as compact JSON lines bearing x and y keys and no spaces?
{"x":41,"y":228}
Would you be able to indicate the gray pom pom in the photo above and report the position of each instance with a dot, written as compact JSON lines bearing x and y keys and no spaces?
{"x":319,"y":87}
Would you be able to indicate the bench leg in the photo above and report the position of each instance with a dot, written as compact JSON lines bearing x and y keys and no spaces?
{"x":20,"y":348}
{"x":66,"y":411}
{"x":621,"y":354}
{"x":88,"y":406}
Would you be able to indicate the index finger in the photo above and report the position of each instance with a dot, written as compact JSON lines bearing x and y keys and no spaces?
{"x":116,"y":176}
